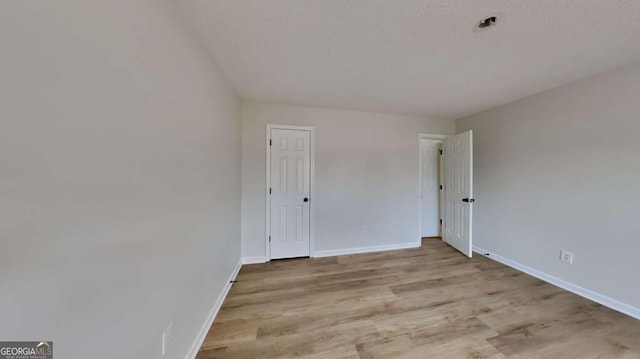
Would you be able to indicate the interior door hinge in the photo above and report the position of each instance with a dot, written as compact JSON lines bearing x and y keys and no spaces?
{"x":441,"y":152}
{"x":440,"y":221}
{"x":269,"y":239}
{"x":441,"y":187}
{"x":270,"y":142}
{"x":269,"y":190}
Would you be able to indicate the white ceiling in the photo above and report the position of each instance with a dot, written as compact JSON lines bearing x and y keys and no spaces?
{"x":412,"y":56}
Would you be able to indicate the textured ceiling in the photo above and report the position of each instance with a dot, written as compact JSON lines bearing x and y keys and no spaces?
{"x":412,"y":56}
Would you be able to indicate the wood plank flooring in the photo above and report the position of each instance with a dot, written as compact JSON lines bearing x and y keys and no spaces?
{"x":429,"y":302}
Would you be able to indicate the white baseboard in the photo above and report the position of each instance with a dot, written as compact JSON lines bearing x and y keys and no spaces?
{"x":386,"y":247}
{"x":212,"y":315}
{"x":253,"y":260}
{"x":576,"y":289}
{"x":340,"y":252}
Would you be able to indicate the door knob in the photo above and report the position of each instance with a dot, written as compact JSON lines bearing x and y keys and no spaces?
{"x":306,"y":199}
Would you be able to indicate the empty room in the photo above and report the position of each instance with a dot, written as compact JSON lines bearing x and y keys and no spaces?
{"x":200,"y":179}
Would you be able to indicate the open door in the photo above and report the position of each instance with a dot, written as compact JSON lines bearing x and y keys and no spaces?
{"x":458,"y":191}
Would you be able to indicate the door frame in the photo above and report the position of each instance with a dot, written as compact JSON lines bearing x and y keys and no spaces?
{"x":425,"y":136}
{"x":312,"y":197}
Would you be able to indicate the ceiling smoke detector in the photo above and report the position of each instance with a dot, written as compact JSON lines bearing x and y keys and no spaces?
{"x":489,"y":21}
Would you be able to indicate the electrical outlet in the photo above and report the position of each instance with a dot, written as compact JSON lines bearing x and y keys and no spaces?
{"x":363,"y":230}
{"x":166,"y":338}
{"x":566,"y":256}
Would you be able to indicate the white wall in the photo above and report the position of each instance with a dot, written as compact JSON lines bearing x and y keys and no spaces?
{"x":366,"y":174}
{"x":561,"y":170}
{"x":119,"y":178}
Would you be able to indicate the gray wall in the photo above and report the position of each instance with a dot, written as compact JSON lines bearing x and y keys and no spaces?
{"x":366,"y":172}
{"x":119,"y":178}
{"x":560,"y":170}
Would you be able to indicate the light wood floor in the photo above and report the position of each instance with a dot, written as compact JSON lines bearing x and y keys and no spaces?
{"x":429,"y":302}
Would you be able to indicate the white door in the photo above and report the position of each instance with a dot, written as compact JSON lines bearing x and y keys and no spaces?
{"x":430,"y":188}
{"x":290,"y":188}
{"x":458,"y":191}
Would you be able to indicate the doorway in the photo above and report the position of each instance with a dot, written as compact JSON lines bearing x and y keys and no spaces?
{"x":452,"y":204}
{"x":289,"y":192}
{"x":430,"y":187}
